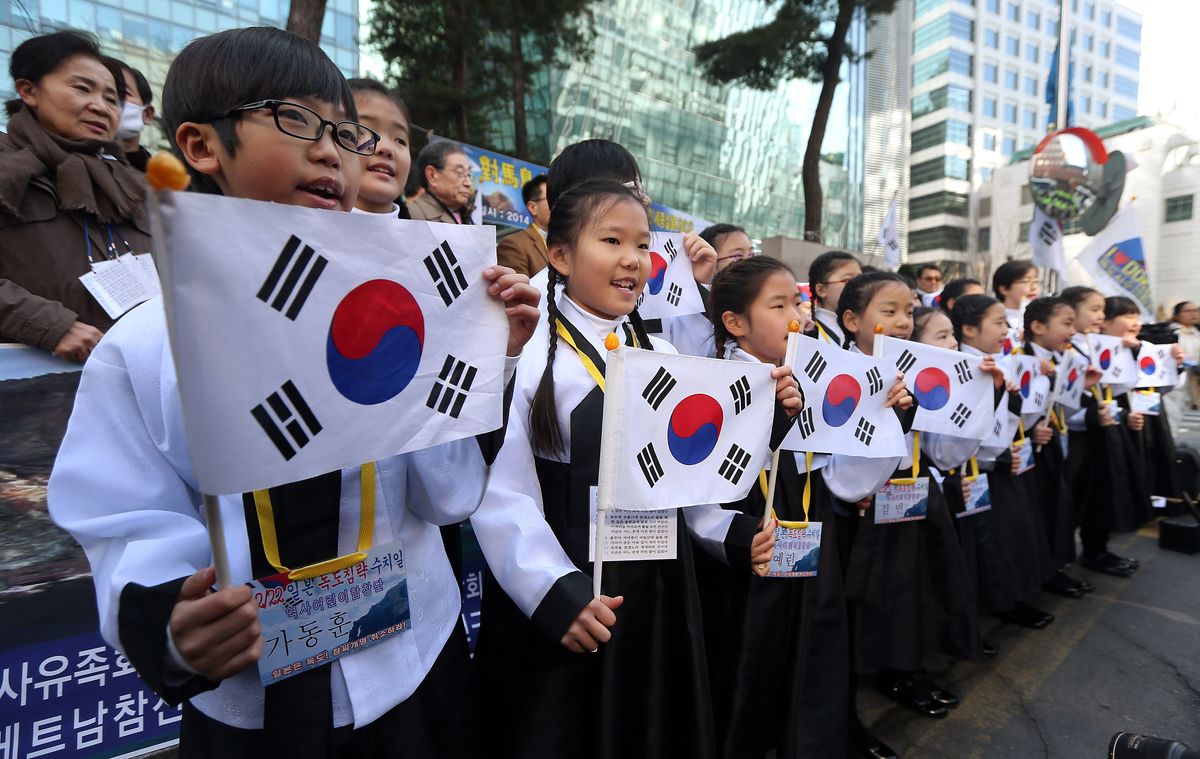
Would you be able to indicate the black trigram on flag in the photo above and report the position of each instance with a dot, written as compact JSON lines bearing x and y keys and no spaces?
{"x":865,"y":431}
{"x":1115,"y":371}
{"x":1048,"y":232}
{"x":660,"y":386}
{"x":961,"y":415}
{"x":815,"y":366}
{"x":669,"y":249}
{"x":651,"y":468}
{"x":874,"y":381}
{"x":447,"y":274}
{"x":997,"y":427}
{"x":1038,"y":398}
{"x":674,"y":293}
{"x":805,"y":422}
{"x":299,"y":268}
{"x":449,"y":391}
{"x":963,"y":370}
{"x":905,"y":362}
{"x":741,"y":394}
{"x":287,"y":420}
{"x":735,"y":464}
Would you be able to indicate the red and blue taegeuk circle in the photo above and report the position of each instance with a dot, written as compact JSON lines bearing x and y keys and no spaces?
{"x":1072,"y":376}
{"x":658,"y":273}
{"x":694,"y":428}
{"x":1148,"y":366}
{"x":841,"y":398}
{"x":1026,"y":383}
{"x":932,"y":388}
{"x":375,"y":342}
{"x":1008,"y":346}
{"x":1105,"y":358}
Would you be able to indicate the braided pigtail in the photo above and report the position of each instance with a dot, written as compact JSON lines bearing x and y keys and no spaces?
{"x":544,"y":431}
{"x":639,"y":330}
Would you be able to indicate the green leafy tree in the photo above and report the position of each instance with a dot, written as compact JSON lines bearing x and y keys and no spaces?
{"x":805,"y":40}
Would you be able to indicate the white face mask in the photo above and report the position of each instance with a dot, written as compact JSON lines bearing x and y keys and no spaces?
{"x":131,"y":121}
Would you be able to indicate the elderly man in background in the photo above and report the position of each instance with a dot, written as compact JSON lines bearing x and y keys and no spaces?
{"x":445,"y":175}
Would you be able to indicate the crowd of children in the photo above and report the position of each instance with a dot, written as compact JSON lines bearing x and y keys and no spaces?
{"x":695,"y":656}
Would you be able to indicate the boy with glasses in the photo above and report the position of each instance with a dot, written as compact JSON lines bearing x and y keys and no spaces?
{"x":262,"y":113}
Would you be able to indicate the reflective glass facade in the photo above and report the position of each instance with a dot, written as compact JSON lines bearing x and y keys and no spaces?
{"x":147,"y":34}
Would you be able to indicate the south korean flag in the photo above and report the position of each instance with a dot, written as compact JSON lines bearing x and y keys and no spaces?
{"x":953,"y":396}
{"x":306,"y":341}
{"x":1070,"y":377}
{"x":843,"y":410}
{"x":671,"y":289}
{"x":682,"y":431}
{"x":1113,"y":359}
{"x":1033,"y":386}
{"x":1156,"y":367}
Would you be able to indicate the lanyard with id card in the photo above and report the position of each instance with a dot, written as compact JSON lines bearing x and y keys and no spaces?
{"x":797,"y":544}
{"x":119,"y":281}
{"x":1148,"y":402}
{"x":313,"y":615}
{"x":904,"y":499}
{"x":1023,"y":450}
{"x":977,"y":494}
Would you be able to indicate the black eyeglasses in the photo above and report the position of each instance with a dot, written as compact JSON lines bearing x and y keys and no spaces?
{"x":304,"y":123}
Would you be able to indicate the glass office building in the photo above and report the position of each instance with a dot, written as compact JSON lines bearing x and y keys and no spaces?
{"x":147,"y":34}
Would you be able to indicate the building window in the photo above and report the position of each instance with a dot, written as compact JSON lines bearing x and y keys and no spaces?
{"x":1031,"y":53}
{"x":1010,"y":113}
{"x":950,"y":131}
{"x":985,"y":174}
{"x":989,"y":141}
{"x":1126,"y":87}
{"x":1105,"y":48}
{"x":1030,"y":117}
{"x":949,"y":238}
{"x":953,"y":61}
{"x":1128,"y":58}
{"x":951,"y":96}
{"x":1011,"y":80}
{"x":1102,"y":109}
{"x":1089,"y":11}
{"x":1179,"y":208}
{"x":1106,"y":18}
{"x":1023,"y":235}
{"x":1009,"y":146}
{"x":947,"y":167}
{"x":993,"y":6}
{"x":1012,"y":45}
{"x":989,"y":107}
{"x":952,"y":203}
{"x":991,"y":38}
{"x":1051,"y":28}
{"x":1087,"y":103}
{"x":985,"y":238}
{"x":1031,"y":85}
{"x":924,"y":6}
{"x":1121,"y":113}
{"x":1033,"y":20}
{"x":1088,"y":42}
{"x":1087,"y":73}
{"x":1129,"y":28}
{"x":1103,"y":80}
{"x":991,"y":73}
{"x":944,"y":27}
{"x":1014,"y":12}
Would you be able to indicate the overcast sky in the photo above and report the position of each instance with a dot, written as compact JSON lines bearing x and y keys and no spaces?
{"x":1169,"y":59}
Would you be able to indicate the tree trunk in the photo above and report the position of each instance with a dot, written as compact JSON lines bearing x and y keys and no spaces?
{"x":305,"y":18}
{"x":517,"y":66}
{"x":456,"y":15}
{"x":811,"y":172}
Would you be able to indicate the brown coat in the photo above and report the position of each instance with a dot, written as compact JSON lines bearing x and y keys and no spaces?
{"x":426,"y":207}
{"x":524,"y":251}
{"x":47,"y":195}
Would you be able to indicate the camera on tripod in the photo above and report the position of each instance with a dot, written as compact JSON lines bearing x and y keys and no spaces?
{"x":1134,"y":746}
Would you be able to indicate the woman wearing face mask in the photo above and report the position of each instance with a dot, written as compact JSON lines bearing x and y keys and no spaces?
{"x":68,"y":198}
{"x":137,"y":113}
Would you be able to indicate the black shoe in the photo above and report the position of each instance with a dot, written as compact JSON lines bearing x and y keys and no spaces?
{"x":940,"y":696}
{"x":1025,"y":615}
{"x":908,"y":692}
{"x":1109,"y":565}
{"x":1084,"y":585}
{"x":867,"y":745}
{"x":1131,"y":562}
{"x":1062,"y":585}
{"x":989,"y":650}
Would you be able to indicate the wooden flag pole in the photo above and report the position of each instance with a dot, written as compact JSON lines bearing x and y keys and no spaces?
{"x":788,"y":359}
{"x":166,"y":172}
{"x":610,"y":438}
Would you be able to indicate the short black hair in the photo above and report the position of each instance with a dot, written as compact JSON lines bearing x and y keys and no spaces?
{"x":954,"y":290}
{"x":968,"y":311}
{"x":921,"y":269}
{"x":38,"y":56}
{"x":1042,"y":310}
{"x":219,"y":72}
{"x":529,"y":190}
{"x":145,"y":94}
{"x":1180,"y":306}
{"x":435,"y":154}
{"x":921,"y":316}
{"x":1077,"y":294}
{"x":714,"y":233}
{"x":859,"y":293}
{"x":824,"y":265}
{"x":1009,"y":272}
{"x":589,"y":159}
{"x":1119,"y":305}
{"x":366,"y":84}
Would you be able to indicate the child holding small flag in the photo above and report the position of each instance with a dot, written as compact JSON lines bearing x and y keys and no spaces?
{"x":234,"y":104}
{"x":561,"y":672}
{"x":1014,"y":555}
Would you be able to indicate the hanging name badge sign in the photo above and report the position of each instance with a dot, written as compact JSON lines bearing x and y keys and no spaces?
{"x":1146,"y":402}
{"x":904,"y":499}
{"x":122,"y":280}
{"x":977,"y":494}
{"x":635,"y":535}
{"x":1024,"y":453}
{"x":797,"y":551}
